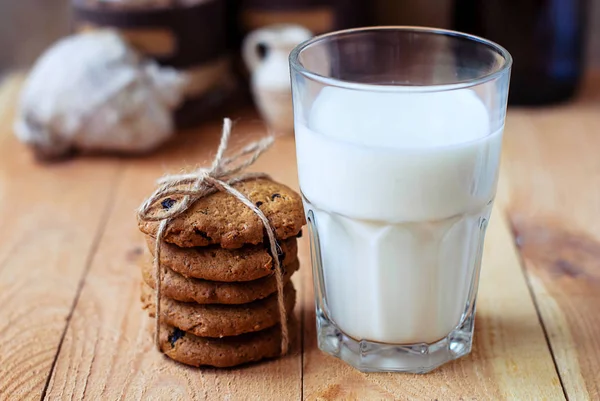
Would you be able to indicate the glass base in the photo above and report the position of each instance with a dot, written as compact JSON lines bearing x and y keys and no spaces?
{"x":369,"y":356}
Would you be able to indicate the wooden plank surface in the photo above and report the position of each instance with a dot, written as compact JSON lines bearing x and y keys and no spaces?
{"x":108,"y":351}
{"x":70,"y":316}
{"x":51,"y":218}
{"x":510,"y":358}
{"x":551,"y":160}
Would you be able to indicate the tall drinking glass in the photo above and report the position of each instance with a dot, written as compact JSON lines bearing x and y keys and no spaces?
{"x":398,"y":135}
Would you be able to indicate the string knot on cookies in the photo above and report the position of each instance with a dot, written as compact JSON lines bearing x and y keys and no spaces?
{"x":177,"y":193}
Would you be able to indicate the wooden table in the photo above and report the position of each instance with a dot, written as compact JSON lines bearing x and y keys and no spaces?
{"x":71,"y":326}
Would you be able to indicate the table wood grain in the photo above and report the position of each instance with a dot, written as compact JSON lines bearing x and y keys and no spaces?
{"x":71,"y":326}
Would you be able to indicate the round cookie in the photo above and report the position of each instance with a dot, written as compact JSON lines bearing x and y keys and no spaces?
{"x":220,"y":218}
{"x":219,"y":320}
{"x":222,"y":352}
{"x":217,"y":264}
{"x":183,"y":289}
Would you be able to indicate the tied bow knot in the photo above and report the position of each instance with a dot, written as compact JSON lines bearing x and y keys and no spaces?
{"x":223,"y":173}
{"x":205,"y":181}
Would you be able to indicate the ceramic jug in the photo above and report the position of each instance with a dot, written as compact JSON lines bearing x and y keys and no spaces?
{"x":265,"y":52}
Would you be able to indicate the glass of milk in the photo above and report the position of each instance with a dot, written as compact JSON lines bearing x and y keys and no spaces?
{"x":398,"y":136}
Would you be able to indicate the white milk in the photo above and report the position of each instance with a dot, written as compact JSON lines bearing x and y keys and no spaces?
{"x":398,"y":184}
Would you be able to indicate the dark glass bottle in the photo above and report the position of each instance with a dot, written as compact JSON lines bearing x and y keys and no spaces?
{"x":545,"y":38}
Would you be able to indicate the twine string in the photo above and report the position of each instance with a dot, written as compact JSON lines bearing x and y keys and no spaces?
{"x":222,"y":175}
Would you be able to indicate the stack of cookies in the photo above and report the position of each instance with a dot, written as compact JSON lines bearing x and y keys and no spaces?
{"x":219,"y":303}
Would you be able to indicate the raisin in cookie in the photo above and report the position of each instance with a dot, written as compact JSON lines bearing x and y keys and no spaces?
{"x":222,"y":352}
{"x":220,"y":320}
{"x":183,"y":289}
{"x":221,"y":218}
{"x":214,"y":263}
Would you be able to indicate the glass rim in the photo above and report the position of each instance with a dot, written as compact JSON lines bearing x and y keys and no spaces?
{"x":299,"y":68}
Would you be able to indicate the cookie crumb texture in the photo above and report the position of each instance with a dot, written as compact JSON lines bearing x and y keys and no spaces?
{"x":222,"y":352}
{"x":218,"y":320}
{"x":222,"y":219}
{"x":214,"y":263}
{"x":180,"y":288}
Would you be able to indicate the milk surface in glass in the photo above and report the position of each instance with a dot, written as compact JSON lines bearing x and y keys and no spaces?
{"x":399,"y":186}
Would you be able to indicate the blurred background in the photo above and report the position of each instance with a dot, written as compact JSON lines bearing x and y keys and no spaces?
{"x":27,"y":27}
{"x":232,"y":50}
